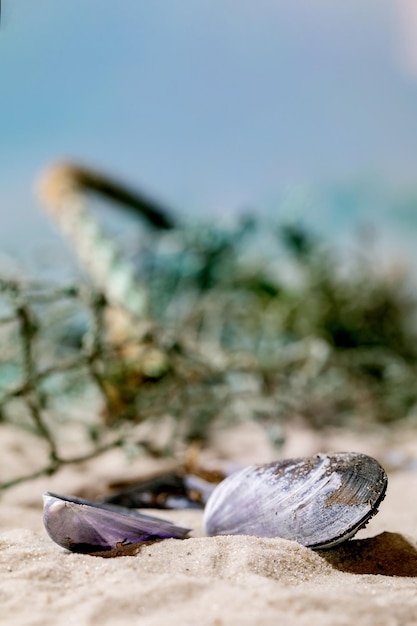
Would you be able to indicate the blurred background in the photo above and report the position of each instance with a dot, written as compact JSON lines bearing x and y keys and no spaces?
{"x":292,"y":109}
{"x":282,"y":138}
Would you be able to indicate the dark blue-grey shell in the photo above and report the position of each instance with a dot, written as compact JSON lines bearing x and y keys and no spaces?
{"x":319,"y":501}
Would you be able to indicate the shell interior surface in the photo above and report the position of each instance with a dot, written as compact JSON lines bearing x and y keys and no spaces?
{"x":318,"y":501}
{"x":83,"y":526}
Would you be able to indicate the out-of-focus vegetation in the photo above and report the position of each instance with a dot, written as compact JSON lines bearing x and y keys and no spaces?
{"x":330,"y":343}
{"x":246,"y":323}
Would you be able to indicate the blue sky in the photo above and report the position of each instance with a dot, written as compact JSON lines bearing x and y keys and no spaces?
{"x":208,"y":104}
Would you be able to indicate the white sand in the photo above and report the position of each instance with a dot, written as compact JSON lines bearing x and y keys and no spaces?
{"x":372,"y":580}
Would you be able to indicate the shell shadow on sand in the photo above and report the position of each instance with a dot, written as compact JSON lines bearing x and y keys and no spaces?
{"x":387,"y":554}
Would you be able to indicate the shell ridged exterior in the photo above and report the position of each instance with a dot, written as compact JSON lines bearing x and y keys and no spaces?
{"x":318,"y":501}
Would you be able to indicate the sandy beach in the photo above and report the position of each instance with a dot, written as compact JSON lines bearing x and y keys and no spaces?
{"x":371,"y":580}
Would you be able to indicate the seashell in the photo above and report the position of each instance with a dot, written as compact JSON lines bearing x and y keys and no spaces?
{"x":319,"y":501}
{"x":83,"y":526}
{"x":173,"y":490}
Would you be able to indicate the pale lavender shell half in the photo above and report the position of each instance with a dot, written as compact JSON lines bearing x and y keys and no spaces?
{"x":84,"y":526}
{"x":318,"y":501}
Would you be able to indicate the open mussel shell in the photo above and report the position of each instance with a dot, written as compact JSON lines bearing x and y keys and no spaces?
{"x":83,"y":526}
{"x":319,"y":501}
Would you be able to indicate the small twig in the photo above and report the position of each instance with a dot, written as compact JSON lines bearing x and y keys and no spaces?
{"x":45,"y":471}
{"x":28,"y":330}
{"x":54,"y":466}
{"x":83,"y":360}
{"x":66,"y":366}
